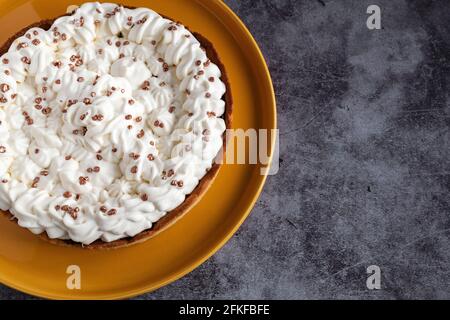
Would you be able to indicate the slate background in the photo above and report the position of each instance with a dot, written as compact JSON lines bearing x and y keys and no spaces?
{"x":365,"y":177}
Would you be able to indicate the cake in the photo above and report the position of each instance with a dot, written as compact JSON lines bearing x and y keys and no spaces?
{"x":111,"y":119}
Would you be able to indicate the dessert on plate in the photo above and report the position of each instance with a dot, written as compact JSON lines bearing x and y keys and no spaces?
{"x":111,"y":119}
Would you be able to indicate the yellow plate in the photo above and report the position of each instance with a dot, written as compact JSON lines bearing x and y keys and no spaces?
{"x":33,"y":266}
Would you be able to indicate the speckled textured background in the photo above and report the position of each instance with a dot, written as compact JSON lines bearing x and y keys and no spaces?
{"x":364,"y":122}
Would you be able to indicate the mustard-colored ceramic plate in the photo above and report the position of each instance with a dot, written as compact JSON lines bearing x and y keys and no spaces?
{"x":36,"y":267}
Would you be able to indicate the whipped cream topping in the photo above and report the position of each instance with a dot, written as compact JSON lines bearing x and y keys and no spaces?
{"x":107,"y":121}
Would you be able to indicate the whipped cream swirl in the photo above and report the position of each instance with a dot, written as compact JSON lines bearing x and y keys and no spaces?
{"x":107,"y":121}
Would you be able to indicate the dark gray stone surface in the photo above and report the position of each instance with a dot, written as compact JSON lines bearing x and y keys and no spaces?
{"x":364,"y":119}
